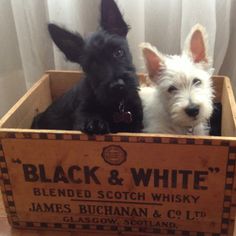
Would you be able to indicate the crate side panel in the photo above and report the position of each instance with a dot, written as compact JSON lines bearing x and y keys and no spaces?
{"x":151,"y":186}
{"x":218,"y":82}
{"x":62,"y":81}
{"x":34,"y":101}
{"x":228,"y":126}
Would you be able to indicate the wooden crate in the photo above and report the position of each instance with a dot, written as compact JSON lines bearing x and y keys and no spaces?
{"x":133,"y":184}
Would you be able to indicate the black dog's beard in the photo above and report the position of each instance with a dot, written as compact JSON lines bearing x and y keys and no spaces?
{"x":109,"y":97}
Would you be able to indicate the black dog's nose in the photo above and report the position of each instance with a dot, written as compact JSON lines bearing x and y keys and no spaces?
{"x":118,"y":85}
{"x":192,"y":110}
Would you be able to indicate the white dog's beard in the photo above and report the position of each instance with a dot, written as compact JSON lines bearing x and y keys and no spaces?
{"x":163,"y":114}
{"x":180,"y":118}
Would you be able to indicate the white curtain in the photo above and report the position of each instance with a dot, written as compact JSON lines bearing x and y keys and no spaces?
{"x":26,"y":50}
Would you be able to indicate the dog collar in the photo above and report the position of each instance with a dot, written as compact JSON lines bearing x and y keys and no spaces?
{"x":122,"y":116}
{"x":189,"y":130}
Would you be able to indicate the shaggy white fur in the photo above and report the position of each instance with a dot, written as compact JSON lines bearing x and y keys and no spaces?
{"x":181,"y":98}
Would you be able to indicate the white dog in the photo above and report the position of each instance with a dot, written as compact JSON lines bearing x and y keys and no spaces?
{"x":181,"y":100}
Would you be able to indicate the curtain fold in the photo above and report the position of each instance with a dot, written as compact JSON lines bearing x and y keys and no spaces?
{"x":12,"y":82}
{"x":229,"y":62}
{"x":27,"y":51}
{"x":35,"y":47}
{"x":75,"y":15}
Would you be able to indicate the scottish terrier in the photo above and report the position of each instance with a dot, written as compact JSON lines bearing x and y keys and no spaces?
{"x":106,"y":99}
{"x":181,"y":100}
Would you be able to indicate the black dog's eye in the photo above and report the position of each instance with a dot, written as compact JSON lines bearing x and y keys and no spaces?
{"x":118,"y":53}
{"x":197,"y":81}
{"x":172,"y":89}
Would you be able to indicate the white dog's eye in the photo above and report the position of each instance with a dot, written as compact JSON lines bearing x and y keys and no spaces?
{"x":172,"y":89}
{"x":118,"y":53}
{"x":196,"y":81}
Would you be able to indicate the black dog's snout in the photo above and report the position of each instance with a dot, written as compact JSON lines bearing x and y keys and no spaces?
{"x":118,"y":85}
{"x":192,"y":110}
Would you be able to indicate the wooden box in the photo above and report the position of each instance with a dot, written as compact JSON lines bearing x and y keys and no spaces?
{"x":132,"y":184}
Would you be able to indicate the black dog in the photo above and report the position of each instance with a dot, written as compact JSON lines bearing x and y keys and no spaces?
{"x":107,"y":99}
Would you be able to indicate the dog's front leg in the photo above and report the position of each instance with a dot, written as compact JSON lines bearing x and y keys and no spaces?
{"x":90,"y":123}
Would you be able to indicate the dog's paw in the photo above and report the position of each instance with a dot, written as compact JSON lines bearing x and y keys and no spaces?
{"x":97,"y":126}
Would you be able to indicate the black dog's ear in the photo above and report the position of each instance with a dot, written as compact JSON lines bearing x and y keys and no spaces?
{"x":72,"y":45}
{"x":111,"y":18}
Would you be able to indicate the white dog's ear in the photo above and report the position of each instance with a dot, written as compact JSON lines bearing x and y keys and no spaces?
{"x":196,"y":45}
{"x":154,"y":60}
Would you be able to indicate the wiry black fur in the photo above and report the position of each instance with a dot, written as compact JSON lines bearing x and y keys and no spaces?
{"x":109,"y":78}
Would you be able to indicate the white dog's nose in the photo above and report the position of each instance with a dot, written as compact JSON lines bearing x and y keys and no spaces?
{"x":192,"y":110}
